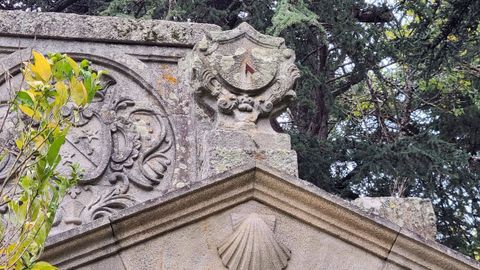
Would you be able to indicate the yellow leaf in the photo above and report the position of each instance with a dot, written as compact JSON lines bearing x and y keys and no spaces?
{"x":62,"y":93}
{"x":407,"y":32}
{"x":35,"y":83}
{"x":78,"y":91}
{"x":43,"y":266}
{"x":29,"y":112}
{"x":19,"y":143}
{"x":73,"y":64}
{"x":39,"y":141}
{"x":452,"y":38}
{"x":27,"y":72}
{"x":390,"y":35}
{"x":41,"y":67}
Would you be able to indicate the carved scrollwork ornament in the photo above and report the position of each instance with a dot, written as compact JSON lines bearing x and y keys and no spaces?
{"x":124,"y":144}
{"x":243,"y":75}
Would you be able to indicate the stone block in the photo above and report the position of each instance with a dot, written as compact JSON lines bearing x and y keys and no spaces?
{"x":227,"y":149}
{"x":415,"y":214}
{"x":219,"y":160}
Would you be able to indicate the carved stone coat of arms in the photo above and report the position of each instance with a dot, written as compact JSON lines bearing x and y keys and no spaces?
{"x":123,"y":143}
{"x":244,"y":74}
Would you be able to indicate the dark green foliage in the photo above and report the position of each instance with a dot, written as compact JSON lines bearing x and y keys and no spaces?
{"x":388,"y":103}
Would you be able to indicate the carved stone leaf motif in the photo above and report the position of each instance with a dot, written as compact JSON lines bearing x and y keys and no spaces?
{"x":252,"y":245}
{"x":244,"y":74}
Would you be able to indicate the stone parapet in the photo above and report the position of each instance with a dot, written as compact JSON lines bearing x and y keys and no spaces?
{"x":99,"y":28}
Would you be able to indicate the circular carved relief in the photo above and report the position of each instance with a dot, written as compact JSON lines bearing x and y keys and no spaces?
{"x":123,"y":141}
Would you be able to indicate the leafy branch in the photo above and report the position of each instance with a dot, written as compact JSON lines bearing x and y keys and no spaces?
{"x":33,"y":188}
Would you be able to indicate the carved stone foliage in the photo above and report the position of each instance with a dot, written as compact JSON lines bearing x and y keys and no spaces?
{"x":125,"y":145}
{"x":243,"y":74}
{"x":252,"y":245}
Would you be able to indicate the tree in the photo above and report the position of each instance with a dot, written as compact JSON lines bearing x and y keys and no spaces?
{"x":32,"y":189}
{"x":408,"y":129}
{"x":388,"y":100}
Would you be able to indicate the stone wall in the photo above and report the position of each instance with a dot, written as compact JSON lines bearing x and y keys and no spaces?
{"x":153,"y":128}
{"x":137,"y":140}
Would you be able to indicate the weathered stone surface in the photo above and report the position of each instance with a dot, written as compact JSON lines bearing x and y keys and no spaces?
{"x":220,"y":160}
{"x":97,"y":28}
{"x":415,"y":214}
{"x":110,"y":263}
{"x":226,"y":149}
{"x":139,"y":138}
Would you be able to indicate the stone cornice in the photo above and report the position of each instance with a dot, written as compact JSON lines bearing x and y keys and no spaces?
{"x":293,"y":196}
{"x":100,"y":28}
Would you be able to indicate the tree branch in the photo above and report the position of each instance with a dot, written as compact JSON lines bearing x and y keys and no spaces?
{"x":373,"y":14}
{"x":62,"y":5}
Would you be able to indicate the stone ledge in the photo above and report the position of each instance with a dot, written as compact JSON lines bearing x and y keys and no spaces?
{"x":98,"y":28}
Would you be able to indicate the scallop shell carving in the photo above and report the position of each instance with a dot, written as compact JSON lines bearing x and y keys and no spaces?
{"x":252,"y":245}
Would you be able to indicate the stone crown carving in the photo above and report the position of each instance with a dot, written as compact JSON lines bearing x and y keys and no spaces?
{"x":243,"y":75}
{"x":252,"y":245}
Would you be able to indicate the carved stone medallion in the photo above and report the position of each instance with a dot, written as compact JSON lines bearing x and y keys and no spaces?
{"x":244,"y":74}
{"x":252,"y":245}
{"x":123,"y":142}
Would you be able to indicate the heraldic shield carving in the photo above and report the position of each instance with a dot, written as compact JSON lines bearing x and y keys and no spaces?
{"x":244,"y":76}
{"x":123,"y":142}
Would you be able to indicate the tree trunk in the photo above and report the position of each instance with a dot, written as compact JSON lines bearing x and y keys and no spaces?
{"x":319,"y":125}
{"x":322,"y":115}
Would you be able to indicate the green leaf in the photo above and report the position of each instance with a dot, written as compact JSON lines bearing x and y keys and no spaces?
{"x":84,"y":64}
{"x":25,"y":182}
{"x":25,"y":98}
{"x":43,"y":266}
{"x":52,"y":154}
{"x":62,"y":69}
{"x":88,"y":80}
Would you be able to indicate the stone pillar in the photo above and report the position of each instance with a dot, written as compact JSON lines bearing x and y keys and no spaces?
{"x":244,"y":80}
